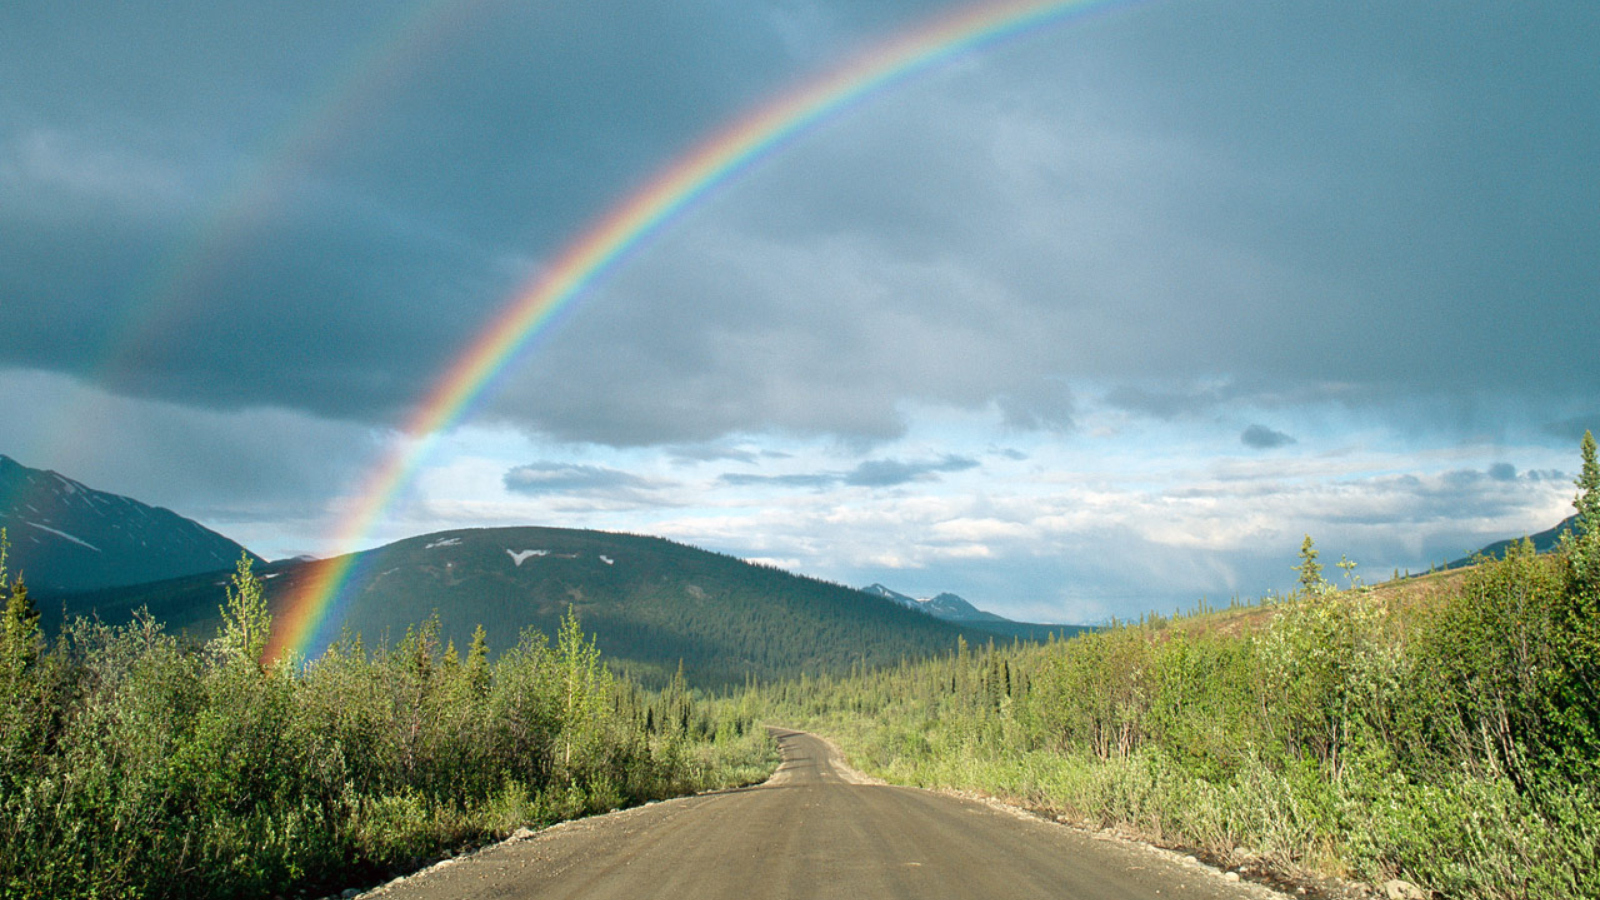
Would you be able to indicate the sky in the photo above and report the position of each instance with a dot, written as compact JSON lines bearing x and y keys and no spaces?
{"x":1097,"y":320}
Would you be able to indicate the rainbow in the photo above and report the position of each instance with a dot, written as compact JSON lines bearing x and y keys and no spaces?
{"x":197,"y":261}
{"x":317,"y":603}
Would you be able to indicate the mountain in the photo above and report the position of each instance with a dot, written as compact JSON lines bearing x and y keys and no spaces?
{"x":650,"y":602}
{"x":68,"y":537}
{"x":878,"y":590}
{"x":949,"y":607}
{"x":952,"y":608}
{"x":1543,"y":542}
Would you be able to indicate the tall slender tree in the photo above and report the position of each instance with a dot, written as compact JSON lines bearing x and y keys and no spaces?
{"x":1582,"y":544}
{"x":1587,"y":503}
{"x":478,"y":663}
{"x":1310,"y":570}
{"x":246,"y":623}
{"x":20,"y":638}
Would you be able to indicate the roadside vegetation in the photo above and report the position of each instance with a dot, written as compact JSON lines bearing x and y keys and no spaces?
{"x":1444,"y":730}
{"x":136,"y":764}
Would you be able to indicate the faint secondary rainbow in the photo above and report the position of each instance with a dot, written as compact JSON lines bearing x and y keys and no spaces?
{"x":196,"y":263}
{"x":317,"y":604}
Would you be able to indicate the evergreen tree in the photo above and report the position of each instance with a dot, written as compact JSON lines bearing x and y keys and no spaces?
{"x":24,"y":711}
{"x":20,"y":638}
{"x":1578,"y":677}
{"x":246,"y":623}
{"x":1588,"y":482}
{"x":1582,"y":544}
{"x":1310,"y":571}
{"x":478,"y":663}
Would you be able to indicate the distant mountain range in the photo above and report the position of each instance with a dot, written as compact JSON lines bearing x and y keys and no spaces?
{"x":68,"y":537}
{"x":952,"y":608}
{"x":653,"y":604}
{"x":945,"y":606}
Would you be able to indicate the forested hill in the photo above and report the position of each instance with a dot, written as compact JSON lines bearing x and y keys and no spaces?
{"x":651,"y":603}
{"x":1543,"y":542}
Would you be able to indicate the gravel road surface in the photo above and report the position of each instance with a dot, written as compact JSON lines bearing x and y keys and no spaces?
{"x":817,"y":830}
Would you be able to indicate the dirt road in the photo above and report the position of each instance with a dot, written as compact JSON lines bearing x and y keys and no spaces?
{"x":811,"y":832}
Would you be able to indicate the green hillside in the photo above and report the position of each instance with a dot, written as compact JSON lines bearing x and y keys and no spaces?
{"x":651,"y":603}
{"x":1543,"y":542}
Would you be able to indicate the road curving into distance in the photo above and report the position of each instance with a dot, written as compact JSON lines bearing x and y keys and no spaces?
{"x":815,"y":830}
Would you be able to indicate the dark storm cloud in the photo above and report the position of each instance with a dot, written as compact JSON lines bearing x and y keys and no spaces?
{"x":1250,"y":247}
{"x":1039,"y":405}
{"x":745,"y":479}
{"x":1345,"y":205}
{"x":1260,"y":437}
{"x":872,"y":473}
{"x":690,"y":454}
{"x":220,"y":467}
{"x":1573,"y":429}
{"x":893,"y":472}
{"x":953,"y":249}
{"x":567,"y":478}
{"x":241,"y":206}
{"x":1503,"y":471}
{"x":1168,"y":403}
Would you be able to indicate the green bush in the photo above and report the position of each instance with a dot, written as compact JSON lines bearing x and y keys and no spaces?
{"x":1450,"y":744}
{"x":140,"y":766}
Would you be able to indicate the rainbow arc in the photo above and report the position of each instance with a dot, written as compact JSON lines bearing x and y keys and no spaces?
{"x":316,"y":607}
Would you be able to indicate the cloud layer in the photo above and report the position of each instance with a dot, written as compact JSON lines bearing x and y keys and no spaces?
{"x":251,"y":239}
{"x":1348,"y":206}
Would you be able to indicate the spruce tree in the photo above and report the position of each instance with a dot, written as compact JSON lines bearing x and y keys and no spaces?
{"x":1575,"y":679}
{"x":478,"y":663}
{"x":20,"y":640}
{"x":1310,"y":571}
{"x":1582,"y":544}
{"x":1587,"y":503}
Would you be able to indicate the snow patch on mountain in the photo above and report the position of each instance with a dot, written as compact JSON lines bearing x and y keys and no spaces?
{"x":63,"y":534}
{"x":519,"y":558}
{"x":878,"y":590}
{"x":946,"y":606}
{"x":133,"y":543}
